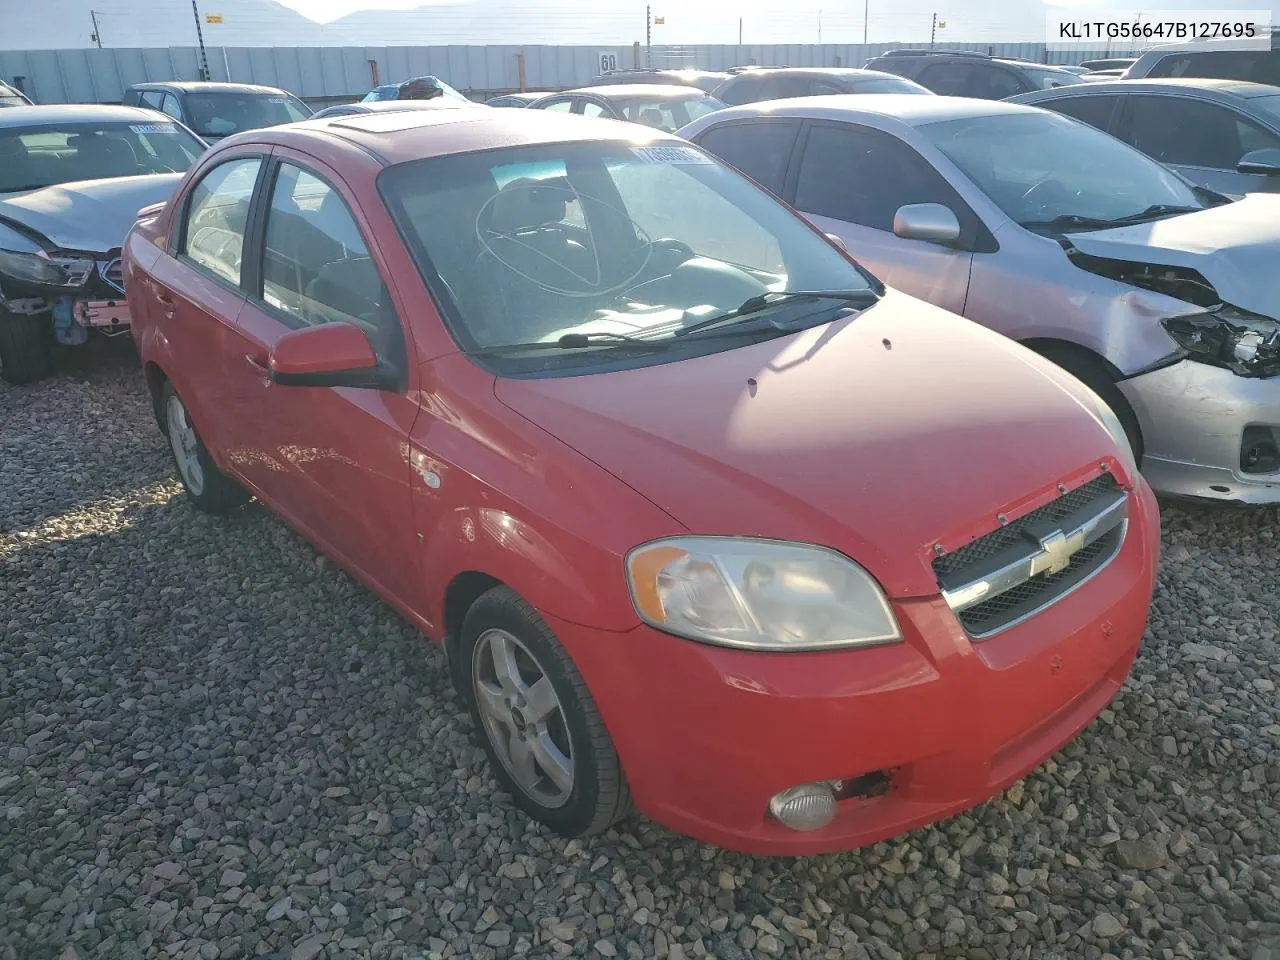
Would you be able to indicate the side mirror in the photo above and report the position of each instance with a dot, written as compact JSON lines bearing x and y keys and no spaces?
{"x":838,"y":242}
{"x":328,"y":355}
{"x":932,"y":222}
{"x":1265,"y":161}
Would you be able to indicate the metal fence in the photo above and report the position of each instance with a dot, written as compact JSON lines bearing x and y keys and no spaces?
{"x":326,"y":74}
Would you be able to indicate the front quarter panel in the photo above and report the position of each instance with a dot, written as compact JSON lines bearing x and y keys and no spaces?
{"x":497,"y":495}
{"x":1031,"y":290}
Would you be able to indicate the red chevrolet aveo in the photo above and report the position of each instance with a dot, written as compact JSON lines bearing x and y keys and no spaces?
{"x":710,"y":522}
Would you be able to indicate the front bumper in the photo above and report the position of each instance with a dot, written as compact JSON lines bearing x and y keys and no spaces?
{"x":1193,"y":417}
{"x":707,"y":734}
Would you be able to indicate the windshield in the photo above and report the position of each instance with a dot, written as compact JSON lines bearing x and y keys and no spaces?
{"x":222,"y":114}
{"x":419,"y":88}
{"x":668,"y":114}
{"x":32,"y":157}
{"x":1047,"y":79}
{"x":1041,"y":167}
{"x":603,"y":238}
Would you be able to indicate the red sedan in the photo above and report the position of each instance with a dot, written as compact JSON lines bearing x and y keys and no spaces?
{"x":710,"y":523}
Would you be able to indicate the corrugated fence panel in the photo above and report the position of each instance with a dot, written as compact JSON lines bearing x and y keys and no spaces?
{"x":336,"y":73}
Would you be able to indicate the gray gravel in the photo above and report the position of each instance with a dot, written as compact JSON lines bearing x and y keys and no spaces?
{"x":213,"y":744}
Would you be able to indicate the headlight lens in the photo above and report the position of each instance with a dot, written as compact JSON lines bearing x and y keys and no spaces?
{"x":758,"y":594}
{"x":50,"y":271}
{"x":1245,"y":343}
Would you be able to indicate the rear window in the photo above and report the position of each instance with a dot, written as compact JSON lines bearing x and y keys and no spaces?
{"x":888,"y":85}
{"x":41,"y":156}
{"x":665,"y":113}
{"x":222,"y":114}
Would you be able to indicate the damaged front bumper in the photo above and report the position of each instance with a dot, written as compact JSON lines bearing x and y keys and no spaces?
{"x":1208,"y":433}
{"x":98,"y":304}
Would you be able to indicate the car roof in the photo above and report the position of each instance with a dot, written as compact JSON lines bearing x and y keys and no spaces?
{"x":662,"y":90}
{"x":963,"y":55}
{"x":907,"y":108}
{"x":406,"y":135}
{"x":1235,"y":88}
{"x":393,"y":106}
{"x":816,"y":72}
{"x":52,"y":113}
{"x":207,"y":86}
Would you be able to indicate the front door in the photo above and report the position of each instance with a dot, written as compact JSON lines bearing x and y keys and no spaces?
{"x":334,"y":460}
{"x":851,"y":180}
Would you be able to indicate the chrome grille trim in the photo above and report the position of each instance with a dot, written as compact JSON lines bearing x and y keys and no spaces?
{"x":112,"y":273}
{"x":1023,"y":568}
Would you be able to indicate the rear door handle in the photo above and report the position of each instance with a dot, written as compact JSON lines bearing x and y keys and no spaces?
{"x":165,"y":299}
{"x":258,"y":363}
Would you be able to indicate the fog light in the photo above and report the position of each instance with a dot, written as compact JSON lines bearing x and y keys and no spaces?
{"x":810,"y":806}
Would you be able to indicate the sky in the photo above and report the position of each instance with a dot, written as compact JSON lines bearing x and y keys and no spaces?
{"x":61,"y":24}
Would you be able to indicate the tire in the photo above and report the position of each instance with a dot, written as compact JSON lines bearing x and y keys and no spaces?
{"x":567,"y":725}
{"x":26,"y":354}
{"x":1093,"y":373}
{"x":207,"y":487}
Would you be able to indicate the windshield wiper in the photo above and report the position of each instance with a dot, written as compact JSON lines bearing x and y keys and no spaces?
{"x":571,"y":341}
{"x":1157,"y":210}
{"x":757,"y":304}
{"x":1099,"y":223}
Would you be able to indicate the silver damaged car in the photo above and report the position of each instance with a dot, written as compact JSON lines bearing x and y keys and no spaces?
{"x":1160,"y":295}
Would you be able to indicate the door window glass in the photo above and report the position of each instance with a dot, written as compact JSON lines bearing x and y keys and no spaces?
{"x":863,"y":176}
{"x":1093,"y":110}
{"x":760,"y":149}
{"x":560,"y":106}
{"x":170,"y":106}
{"x":151,"y":98}
{"x":1191,"y":132}
{"x":218,"y":215}
{"x":316,"y":267}
{"x":592,"y":109}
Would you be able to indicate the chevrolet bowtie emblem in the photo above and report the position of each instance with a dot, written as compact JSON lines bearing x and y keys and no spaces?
{"x":1057,"y":549}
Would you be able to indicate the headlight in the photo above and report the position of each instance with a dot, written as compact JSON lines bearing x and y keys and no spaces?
{"x":758,"y":594}
{"x":1244,"y":343}
{"x":48,"y":271}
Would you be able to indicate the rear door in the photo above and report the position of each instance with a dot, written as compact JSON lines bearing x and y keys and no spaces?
{"x":1200,"y":139}
{"x":850,"y":180}
{"x":198,"y":296}
{"x":334,"y":460}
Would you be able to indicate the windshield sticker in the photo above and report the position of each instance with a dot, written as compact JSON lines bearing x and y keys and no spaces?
{"x":671,"y":155}
{"x":277,"y":99}
{"x":151,"y":127}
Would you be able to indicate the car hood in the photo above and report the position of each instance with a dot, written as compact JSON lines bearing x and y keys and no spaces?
{"x":1236,"y":247}
{"x":879,"y":435}
{"x":90,"y":215}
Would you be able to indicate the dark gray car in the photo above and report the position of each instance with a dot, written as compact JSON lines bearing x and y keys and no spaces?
{"x":954,"y":73}
{"x":217,"y":110}
{"x":1221,"y":134}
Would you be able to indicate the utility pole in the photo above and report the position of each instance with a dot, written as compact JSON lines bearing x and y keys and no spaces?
{"x":819,"y":28}
{"x":648,"y":36}
{"x":97,"y":30}
{"x":866,"y":19}
{"x":204,"y":60}
{"x":933,"y":31}
{"x":739,"y":35}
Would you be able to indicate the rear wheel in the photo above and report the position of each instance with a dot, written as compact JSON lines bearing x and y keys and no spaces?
{"x":541,"y":729}
{"x":207,"y":487}
{"x":26,"y":354}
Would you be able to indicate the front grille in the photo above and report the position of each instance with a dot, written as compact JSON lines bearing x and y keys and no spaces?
{"x":1032,"y":595}
{"x":112,"y":271}
{"x":1006,"y":576}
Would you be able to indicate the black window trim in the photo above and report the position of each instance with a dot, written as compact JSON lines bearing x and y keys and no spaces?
{"x":178,"y":242}
{"x":251,"y":281}
{"x":975,"y":235}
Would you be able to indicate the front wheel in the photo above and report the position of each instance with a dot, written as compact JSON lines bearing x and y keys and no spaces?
{"x":26,"y":353}
{"x":207,"y":487}
{"x":539,"y":723}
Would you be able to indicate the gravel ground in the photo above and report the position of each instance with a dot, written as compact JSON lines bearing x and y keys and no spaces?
{"x":213,"y":744}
